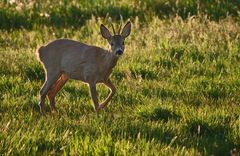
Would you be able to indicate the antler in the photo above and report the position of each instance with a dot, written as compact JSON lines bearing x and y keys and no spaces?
{"x":120,"y":27}
{"x":110,"y":21}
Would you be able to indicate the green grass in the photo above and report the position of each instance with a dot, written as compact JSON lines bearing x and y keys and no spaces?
{"x":177,"y":84}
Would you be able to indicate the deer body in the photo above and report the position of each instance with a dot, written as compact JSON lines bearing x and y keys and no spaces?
{"x":65,"y":59}
{"x":77,"y":60}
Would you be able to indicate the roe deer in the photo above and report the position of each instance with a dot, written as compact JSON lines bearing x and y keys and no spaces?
{"x":65,"y":59}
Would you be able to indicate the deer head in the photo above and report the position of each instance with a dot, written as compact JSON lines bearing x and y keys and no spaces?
{"x":116,"y":41}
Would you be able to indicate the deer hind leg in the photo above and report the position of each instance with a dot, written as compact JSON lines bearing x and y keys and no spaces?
{"x":55,"y":89}
{"x":110,"y":85}
{"x":50,"y":79}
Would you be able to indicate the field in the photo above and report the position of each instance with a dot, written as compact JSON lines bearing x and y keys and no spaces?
{"x":177,"y":83}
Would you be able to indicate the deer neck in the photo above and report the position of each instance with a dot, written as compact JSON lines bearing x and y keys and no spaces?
{"x":111,"y":59}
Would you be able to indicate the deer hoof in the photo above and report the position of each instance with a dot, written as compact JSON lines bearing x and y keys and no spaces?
{"x":42,"y":108}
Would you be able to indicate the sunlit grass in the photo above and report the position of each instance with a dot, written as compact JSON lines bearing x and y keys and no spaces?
{"x":177,"y":86}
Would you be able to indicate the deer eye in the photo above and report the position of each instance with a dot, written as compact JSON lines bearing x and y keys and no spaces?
{"x":112,"y":44}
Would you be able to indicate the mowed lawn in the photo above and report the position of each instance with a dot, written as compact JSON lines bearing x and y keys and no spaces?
{"x":178,"y":82}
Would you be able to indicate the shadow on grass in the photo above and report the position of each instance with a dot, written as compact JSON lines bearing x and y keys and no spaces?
{"x":207,"y":139}
{"x":72,"y":15}
{"x":159,"y":114}
{"x":213,"y":139}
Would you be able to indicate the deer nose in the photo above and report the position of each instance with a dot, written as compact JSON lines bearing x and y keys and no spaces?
{"x":119,"y":52}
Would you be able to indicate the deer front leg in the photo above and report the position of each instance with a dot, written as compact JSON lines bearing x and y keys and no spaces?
{"x":93,"y":92}
{"x":110,"y":85}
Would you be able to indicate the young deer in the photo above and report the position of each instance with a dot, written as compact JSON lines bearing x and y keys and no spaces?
{"x":65,"y":59}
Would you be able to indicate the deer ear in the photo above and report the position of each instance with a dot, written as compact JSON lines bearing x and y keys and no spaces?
{"x":126,"y":30}
{"x":105,"y":32}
